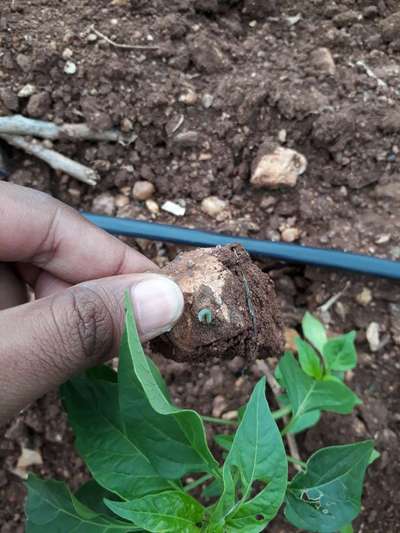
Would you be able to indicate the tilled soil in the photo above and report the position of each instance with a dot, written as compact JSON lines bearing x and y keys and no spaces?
{"x":215,"y":84}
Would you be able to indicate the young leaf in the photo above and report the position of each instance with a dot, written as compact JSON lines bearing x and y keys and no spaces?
{"x":309,"y":359}
{"x":224,"y":441}
{"x":168,"y":512}
{"x":327,"y":495}
{"x":50,"y":507}
{"x":340,"y":353}
{"x":172,"y":438}
{"x":303,"y":422}
{"x":112,"y":456}
{"x":314,"y":331}
{"x":257,"y":455}
{"x":307,"y":394}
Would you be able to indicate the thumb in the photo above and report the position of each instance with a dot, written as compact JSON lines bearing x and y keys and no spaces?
{"x":45,"y":342}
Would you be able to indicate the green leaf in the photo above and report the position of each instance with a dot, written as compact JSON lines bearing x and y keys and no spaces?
{"x":314,"y":331}
{"x":92,"y":495}
{"x":257,"y":456}
{"x":173,"y":439}
{"x":112,"y":456}
{"x":51,"y":508}
{"x":340,"y":353}
{"x":307,"y":394}
{"x":302,"y":422}
{"x":168,"y":512}
{"x":348,"y":528}
{"x":375,"y":455}
{"x":328,"y":495}
{"x":213,"y":490}
{"x":309,"y":359}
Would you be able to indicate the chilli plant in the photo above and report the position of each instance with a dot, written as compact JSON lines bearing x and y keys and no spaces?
{"x":142,"y":451}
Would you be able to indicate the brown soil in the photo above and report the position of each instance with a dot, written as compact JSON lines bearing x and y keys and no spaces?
{"x":225,"y":80}
{"x":230,"y":308}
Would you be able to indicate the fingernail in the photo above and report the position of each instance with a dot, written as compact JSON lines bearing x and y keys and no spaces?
{"x":158,"y":304}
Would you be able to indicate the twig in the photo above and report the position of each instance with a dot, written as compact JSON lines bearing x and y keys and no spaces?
{"x":20,"y":125}
{"x":328,"y":304}
{"x":119,"y":45}
{"x":53,"y":158}
{"x":277,"y":391}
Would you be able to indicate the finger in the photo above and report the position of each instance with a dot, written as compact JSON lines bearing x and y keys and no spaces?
{"x":75,"y":329}
{"x":48,"y":285}
{"x":12,"y":290}
{"x":52,"y":236}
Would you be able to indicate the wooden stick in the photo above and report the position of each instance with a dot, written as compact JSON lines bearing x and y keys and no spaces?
{"x":119,"y":45}
{"x":53,"y":159}
{"x":277,"y":391}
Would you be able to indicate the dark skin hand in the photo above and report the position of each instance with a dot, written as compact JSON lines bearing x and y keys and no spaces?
{"x":78,"y":275}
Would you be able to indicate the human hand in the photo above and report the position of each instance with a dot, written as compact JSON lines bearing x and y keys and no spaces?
{"x":79,"y":275}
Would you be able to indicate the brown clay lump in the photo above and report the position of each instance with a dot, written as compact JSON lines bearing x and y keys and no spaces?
{"x":230,"y":307}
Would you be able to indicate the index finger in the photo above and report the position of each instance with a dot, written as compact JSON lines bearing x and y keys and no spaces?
{"x":38,"y":229}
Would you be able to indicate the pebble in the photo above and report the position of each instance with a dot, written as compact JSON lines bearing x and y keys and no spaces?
{"x":290,"y":234}
{"x":323,"y":60}
{"x":281,"y":168}
{"x":219,"y":406}
{"x":38,"y":105}
{"x":24,"y":62}
{"x":126,"y":125}
{"x":230,"y":415}
{"x":143,"y":190}
{"x":372,"y":335}
{"x":121,"y":201}
{"x":27,"y":90}
{"x":152,"y":206}
{"x":390,"y":27}
{"x":189,"y":98}
{"x":92,"y":38}
{"x":67,"y":54}
{"x":207,"y":100}
{"x":213,"y":206}
{"x":9,"y":99}
{"x":104,"y":204}
{"x":70,"y":68}
{"x":236,"y":364}
{"x":173,"y":208}
{"x":364,"y":297}
{"x":187,"y":139}
{"x":290,"y":335}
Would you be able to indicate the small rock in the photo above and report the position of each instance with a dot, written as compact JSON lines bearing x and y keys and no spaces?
{"x":189,"y":98}
{"x":26,"y":91}
{"x":173,"y":208}
{"x":395,"y":322}
{"x":323,"y":60}
{"x":126,"y":125}
{"x":346,"y":18}
{"x":143,"y":190}
{"x":92,"y":38}
{"x":383,"y":239}
{"x":236,"y":364}
{"x":70,"y":68}
{"x":219,"y":406}
{"x":121,"y":201}
{"x":280,"y":168}
{"x":230,"y":415}
{"x":364,"y":297}
{"x":207,"y":56}
{"x":187,"y":139}
{"x":373,"y":336}
{"x":390,"y":27}
{"x":38,"y":105}
{"x":290,"y":234}
{"x":9,"y":99}
{"x":290,"y":339}
{"x":24,"y":62}
{"x":67,"y":54}
{"x":282,"y":136}
{"x":213,"y":206}
{"x":152,"y":206}
{"x":27,"y":458}
{"x":104,"y":204}
{"x":207,"y":100}
{"x":259,"y":9}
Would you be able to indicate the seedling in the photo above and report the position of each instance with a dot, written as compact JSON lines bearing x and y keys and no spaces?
{"x":140,"y":450}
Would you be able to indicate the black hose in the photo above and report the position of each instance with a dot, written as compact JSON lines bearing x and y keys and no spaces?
{"x":293,"y":253}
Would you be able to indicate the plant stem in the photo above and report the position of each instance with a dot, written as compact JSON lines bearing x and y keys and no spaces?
{"x":197,"y":482}
{"x":213,"y":420}
{"x":280,"y":413}
{"x":288,"y":426}
{"x":297,"y":462}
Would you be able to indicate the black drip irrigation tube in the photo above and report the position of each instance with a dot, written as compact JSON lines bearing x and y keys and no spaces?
{"x":292,"y":253}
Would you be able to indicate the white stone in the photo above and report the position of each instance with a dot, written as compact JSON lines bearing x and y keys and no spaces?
{"x":373,"y":336}
{"x":290,"y":234}
{"x":281,"y":168}
{"x":152,"y":206}
{"x":189,"y":97}
{"x":364,"y":297}
{"x":70,"y":68}
{"x":143,"y":190}
{"x":104,"y":204}
{"x":173,"y":208}
{"x":67,"y":54}
{"x":213,"y":206}
{"x":27,"y":90}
